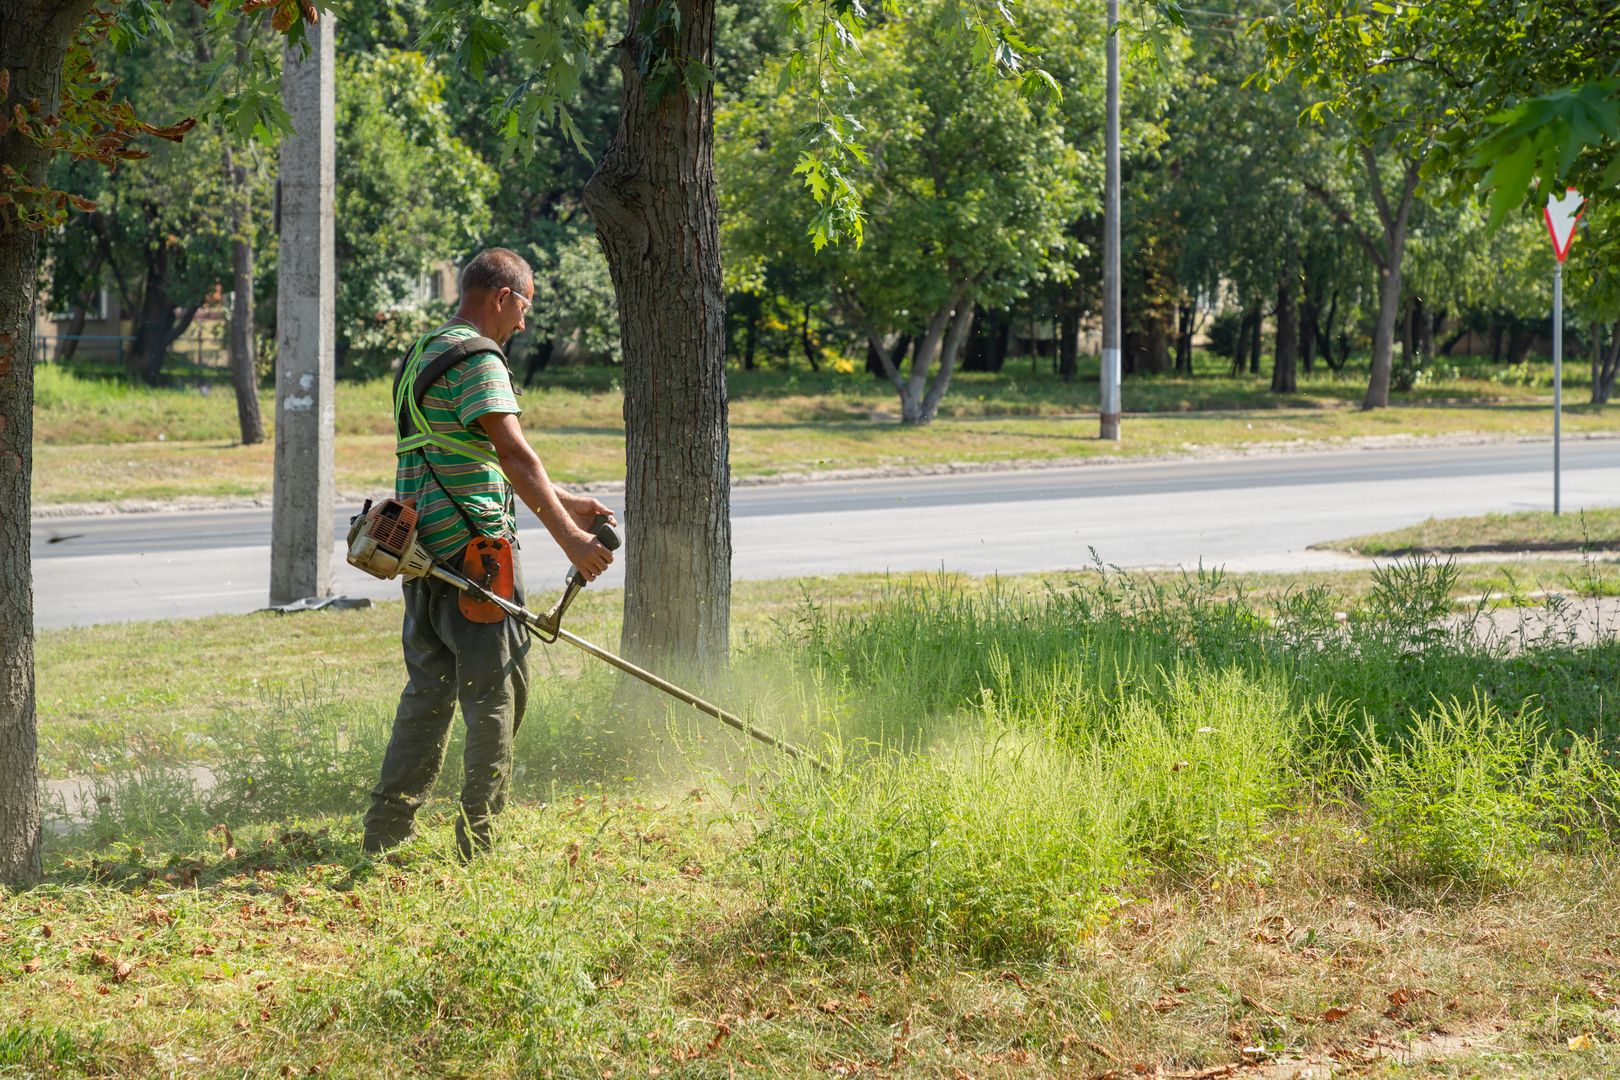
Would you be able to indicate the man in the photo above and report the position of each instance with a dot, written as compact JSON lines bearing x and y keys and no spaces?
{"x":464,"y":478}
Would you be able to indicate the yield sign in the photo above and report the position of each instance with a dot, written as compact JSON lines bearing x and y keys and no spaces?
{"x":1562,"y":213}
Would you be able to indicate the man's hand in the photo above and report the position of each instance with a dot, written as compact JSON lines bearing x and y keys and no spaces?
{"x":587,"y":554}
{"x":584,"y":509}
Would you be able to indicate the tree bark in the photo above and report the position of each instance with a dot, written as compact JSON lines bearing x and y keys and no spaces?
{"x":34,"y":38}
{"x":1387,"y":254}
{"x":153,"y":322}
{"x":1285,"y":358}
{"x":1395,"y":221}
{"x":1324,"y":334}
{"x":1185,"y":314}
{"x":1240,"y":344}
{"x":1069,"y":344}
{"x":806,"y":343}
{"x":1604,"y":368}
{"x":1307,"y":333}
{"x":1254,"y":340}
{"x":949,"y":353}
{"x":244,"y":361}
{"x":652,"y":199}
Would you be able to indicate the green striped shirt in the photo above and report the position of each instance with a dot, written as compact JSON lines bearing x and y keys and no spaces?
{"x":477,"y":386}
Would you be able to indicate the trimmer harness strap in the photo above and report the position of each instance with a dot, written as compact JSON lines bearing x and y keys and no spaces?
{"x":415,"y":434}
{"x":411,"y":384}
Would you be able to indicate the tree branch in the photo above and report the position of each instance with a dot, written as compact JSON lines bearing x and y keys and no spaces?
{"x":1343,"y":217}
{"x":1370,"y":161}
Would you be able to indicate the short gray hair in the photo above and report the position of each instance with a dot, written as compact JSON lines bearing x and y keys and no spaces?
{"x":496,"y":268}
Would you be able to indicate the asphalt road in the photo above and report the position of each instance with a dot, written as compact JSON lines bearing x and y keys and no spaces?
{"x":1255,"y":513}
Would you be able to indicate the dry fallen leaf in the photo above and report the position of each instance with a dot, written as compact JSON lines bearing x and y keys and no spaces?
{"x":1338,"y":1012}
{"x":1403,"y":996}
{"x":31,"y":966}
{"x":1583,"y":1041}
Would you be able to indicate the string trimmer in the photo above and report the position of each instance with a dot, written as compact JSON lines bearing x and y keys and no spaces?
{"x":383,"y":543}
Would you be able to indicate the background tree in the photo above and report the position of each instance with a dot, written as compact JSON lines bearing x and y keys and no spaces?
{"x":56,"y":103}
{"x":1388,"y":117}
{"x":972,"y":187}
{"x":409,"y":192}
{"x":652,"y":200}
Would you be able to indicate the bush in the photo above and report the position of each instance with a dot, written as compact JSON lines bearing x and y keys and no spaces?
{"x":1223,"y":333}
{"x":1471,"y":792}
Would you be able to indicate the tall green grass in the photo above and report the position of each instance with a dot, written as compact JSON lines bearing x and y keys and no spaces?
{"x":1012,"y":763}
{"x":1010,"y":767}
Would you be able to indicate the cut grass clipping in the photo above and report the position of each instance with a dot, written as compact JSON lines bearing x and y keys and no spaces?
{"x":1016,"y":774}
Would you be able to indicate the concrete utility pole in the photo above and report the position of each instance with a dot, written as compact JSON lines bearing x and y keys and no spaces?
{"x":301,"y":521}
{"x":1110,"y":374}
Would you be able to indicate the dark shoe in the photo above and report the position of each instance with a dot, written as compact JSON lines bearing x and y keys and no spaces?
{"x":375,"y":843}
{"x":471,"y":839}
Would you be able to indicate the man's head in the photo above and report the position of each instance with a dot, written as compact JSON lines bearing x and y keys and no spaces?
{"x":497,"y":288}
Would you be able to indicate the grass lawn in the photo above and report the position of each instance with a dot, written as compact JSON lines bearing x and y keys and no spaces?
{"x":100,"y":439}
{"x":1080,"y":825}
{"x":1529,"y":531}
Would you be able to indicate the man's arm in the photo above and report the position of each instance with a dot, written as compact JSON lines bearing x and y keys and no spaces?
{"x":567,"y":524}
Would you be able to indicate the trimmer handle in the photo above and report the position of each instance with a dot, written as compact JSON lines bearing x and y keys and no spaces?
{"x":610,"y":539}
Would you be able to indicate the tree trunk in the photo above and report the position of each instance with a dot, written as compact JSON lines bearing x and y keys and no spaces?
{"x":1388,"y":257}
{"x":1408,"y":317}
{"x":1604,"y":369}
{"x":1307,"y":333}
{"x":1254,"y":340}
{"x":806,"y":343}
{"x":1496,"y":338}
{"x":1520,"y":342}
{"x":1285,"y":359}
{"x":155,"y":321}
{"x":540,"y":354}
{"x":652,"y":198}
{"x":1185,"y":313}
{"x":947,"y":329}
{"x":1240,"y":345}
{"x":244,"y":362}
{"x":1428,"y":331}
{"x":952,"y":349}
{"x":1156,"y":342}
{"x":1069,"y":344}
{"x":34,"y":38}
{"x":1324,"y":332}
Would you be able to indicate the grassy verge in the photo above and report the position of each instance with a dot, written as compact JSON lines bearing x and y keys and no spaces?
{"x":1531,"y":531}
{"x":1107,"y":823}
{"x":103,"y":440}
{"x":122,"y":693}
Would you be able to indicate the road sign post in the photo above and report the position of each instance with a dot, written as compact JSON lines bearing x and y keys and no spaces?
{"x":1561,"y":214}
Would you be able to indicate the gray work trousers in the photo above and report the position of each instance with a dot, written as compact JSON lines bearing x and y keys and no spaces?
{"x":484,"y":666}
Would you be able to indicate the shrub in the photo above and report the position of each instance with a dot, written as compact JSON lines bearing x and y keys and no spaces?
{"x":1471,"y":792}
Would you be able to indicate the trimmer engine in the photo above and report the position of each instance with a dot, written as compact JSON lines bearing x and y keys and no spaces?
{"x":382,"y":541}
